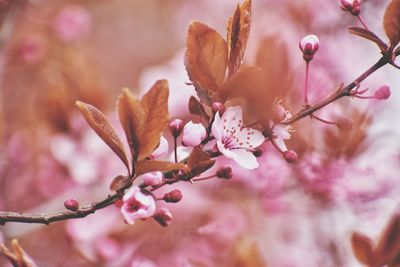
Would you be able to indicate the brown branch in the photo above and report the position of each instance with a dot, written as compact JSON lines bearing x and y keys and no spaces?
{"x":341,"y":92}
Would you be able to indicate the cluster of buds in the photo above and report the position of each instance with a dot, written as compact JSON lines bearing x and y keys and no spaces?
{"x":352,"y":6}
{"x":309,"y":46}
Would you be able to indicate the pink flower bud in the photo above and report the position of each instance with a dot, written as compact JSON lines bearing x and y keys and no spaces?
{"x":71,"y":204}
{"x":72,"y":23}
{"x":382,"y":93}
{"x":173,"y":197}
{"x":352,"y":6}
{"x":309,"y":46}
{"x":161,"y":150}
{"x":176,"y":127}
{"x":290,"y":156}
{"x":193,"y":134}
{"x":152,"y":178}
{"x":218,"y":107}
{"x":225,"y":173}
{"x":163,"y":216}
{"x":345,"y":124}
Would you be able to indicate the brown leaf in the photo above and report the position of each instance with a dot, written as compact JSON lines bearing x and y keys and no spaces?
{"x":196,"y":108}
{"x":238,"y":33}
{"x":145,"y":166}
{"x":131,"y":117}
{"x":206,"y":59}
{"x":368,"y":35}
{"x":199,"y":161}
{"x":102,"y":127}
{"x":155,"y":108}
{"x":17,"y":257}
{"x":121,"y":181}
{"x":362,"y":248}
{"x":389,"y":244}
{"x":391,"y":22}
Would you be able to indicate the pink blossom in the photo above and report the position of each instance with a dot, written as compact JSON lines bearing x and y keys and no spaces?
{"x":108,"y":248}
{"x":152,"y":178}
{"x":32,"y":49}
{"x":161,"y":150}
{"x":234,"y":141}
{"x":72,"y":23}
{"x":193,"y":134}
{"x":137,"y":205}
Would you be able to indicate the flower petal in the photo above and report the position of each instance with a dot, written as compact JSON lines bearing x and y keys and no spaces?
{"x":245,"y":158}
{"x":217,"y":127}
{"x":249,"y":138}
{"x":232,"y":121}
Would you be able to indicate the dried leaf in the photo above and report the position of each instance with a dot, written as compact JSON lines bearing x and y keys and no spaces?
{"x":362,"y":248}
{"x":131,"y":117}
{"x":121,"y":181}
{"x":391,"y":22}
{"x":238,"y":33}
{"x":389,"y":244}
{"x":155,"y":108}
{"x":145,"y":166}
{"x":17,"y":257}
{"x":199,"y":161}
{"x":196,"y":108}
{"x":368,"y":35}
{"x":206,"y":59}
{"x":102,"y":127}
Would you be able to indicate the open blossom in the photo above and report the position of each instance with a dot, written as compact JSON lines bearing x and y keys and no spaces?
{"x":161,"y":150}
{"x":137,"y":205}
{"x":193,"y":134}
{"x":234,"y":141}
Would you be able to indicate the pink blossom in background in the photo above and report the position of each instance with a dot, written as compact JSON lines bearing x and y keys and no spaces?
{"x":32,"y":49}
{"x":72,"y":23}
{"x":137,"y":205}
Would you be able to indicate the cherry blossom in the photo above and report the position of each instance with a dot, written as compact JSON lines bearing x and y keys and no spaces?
{"x":236,"y":142}
{"x":193,"y":134}
{"x":137,"y":205}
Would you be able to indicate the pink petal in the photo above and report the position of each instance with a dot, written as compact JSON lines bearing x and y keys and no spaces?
{"x":249,"y":138}
{"x":232,"y":120}
{"x":217,"y":127}
{"x":245,"y":158}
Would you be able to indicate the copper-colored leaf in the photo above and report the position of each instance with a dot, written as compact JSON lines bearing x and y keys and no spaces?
{"x":145,"y":166}
{"x":121,"y":181}
{"x":131,"y":117}
{"x":199,"y":161}
{"x":102,"y":127}
{"x":17,"y":257}
{"x":362,"y":248}
{"x":196,"y":108}
{"x":238,"y":33}
{"x":364,"y":33}
{"x":391,"y":22}
{"x":155,"y":108}
{"x":206,"y":59}
{"x":389,"y":244}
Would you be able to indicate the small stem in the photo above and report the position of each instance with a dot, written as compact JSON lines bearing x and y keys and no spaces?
{"x":175,"y":150}
{"x":364,"y":97}
{"x":203,"y":178}
{"x":306,"y":83}
{"x":362,"y":22}
{"x":322,"y":120}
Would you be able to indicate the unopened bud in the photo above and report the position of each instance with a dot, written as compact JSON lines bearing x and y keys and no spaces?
{"x":163,"y":216}
{"x":309,"y":46}
{"x":382,"y":93}
{"x":176,"y":127}
{"x":173,"y":197}
{"x":345,"y":124}
{"x":152,"y":178}
{"x":352,"y":6}
{"x":225,"y":173}
{"x":218,"y":107}
{"x":193,"y":134}
{"x":290,"y":156}
{"x":71,"y":204}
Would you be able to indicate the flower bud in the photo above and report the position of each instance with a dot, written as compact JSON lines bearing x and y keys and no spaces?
{"x":290,"y":156}
{"x":225,"y":173}
{"x":71,"y":204}
{"x":345,"y":124}
{"x":258,"y":152}
{"x":352,"y":6}
{"x":163,"y":216}
{"x":193,"y":134}
{"x":309,"y":46}
{"x":161,"y":150}
{"x":173,"y":197}
{"x":176,"y":127}
{"x":382,"y":93}
{"x":152,"y":178}
{"x":218,"y":107}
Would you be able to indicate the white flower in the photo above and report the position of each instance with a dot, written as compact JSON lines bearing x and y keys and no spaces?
{"x":281,"y":132}
{"x":161,"y":150}
{"x":193,"y":134}
{"x":236,"y":142}
{"x":137,"y":205}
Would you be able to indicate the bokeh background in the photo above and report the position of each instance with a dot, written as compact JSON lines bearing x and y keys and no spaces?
{"x":281,"y":215}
